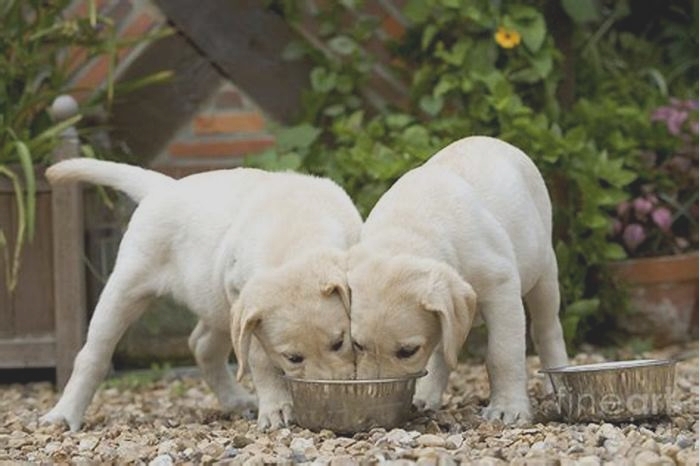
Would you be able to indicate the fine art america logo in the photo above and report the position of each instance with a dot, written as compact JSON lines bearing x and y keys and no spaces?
{"x":613,"y":406}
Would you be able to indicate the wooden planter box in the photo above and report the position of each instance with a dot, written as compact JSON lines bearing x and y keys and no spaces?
{"x":42,"y":323}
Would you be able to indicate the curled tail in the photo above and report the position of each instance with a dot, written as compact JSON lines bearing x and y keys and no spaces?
{"x":136,"y":182}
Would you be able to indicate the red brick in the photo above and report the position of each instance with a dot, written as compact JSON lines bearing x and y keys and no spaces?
{"x":248,"y":122}
{"x":138,"y":26}
{"x":227,"y":148}
{"x":229,"y":99}
{"x":181,"y":171}
{"x":393,"y":27}
{"x":92,"y":77}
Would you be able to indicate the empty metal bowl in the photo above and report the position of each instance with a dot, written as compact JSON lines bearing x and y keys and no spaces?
{"x":614,"y":391}
{"x":349,"y":406}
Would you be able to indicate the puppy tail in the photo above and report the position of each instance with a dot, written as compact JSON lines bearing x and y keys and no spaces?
{"x":136,"y":182}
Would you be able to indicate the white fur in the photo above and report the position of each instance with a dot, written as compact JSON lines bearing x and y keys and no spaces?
{"x":202,"y":239}
{"x":475,"y":218}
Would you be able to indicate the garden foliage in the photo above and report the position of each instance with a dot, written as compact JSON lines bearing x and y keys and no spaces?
{"x":570,"y":82}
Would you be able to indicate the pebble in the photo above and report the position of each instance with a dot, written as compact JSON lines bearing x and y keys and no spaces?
{"x":161,"y":460}
{"x":430,"y":440}
{"x":158,"y":425}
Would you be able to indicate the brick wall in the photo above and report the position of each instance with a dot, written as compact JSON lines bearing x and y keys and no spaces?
{"x":219,"y":134}
{"x":226,"y":128}
{"x":132,"y":19}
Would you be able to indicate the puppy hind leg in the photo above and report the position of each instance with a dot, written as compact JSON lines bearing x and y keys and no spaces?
{"x":545,"y":328}
{"x":211,"y":350}
{"x":122,"y":301}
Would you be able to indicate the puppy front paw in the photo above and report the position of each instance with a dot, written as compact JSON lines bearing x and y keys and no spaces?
{"x":431,"y":402}
{"x":272,"y":416}
{"x":511,"y":413}
{"x":60,"y":417}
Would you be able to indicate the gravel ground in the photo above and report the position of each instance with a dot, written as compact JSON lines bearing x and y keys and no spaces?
{"x":174,"y":419}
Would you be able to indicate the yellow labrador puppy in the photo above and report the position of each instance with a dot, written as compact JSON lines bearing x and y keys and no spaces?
{"x":250,"y":252}
{"x":468,"y":232}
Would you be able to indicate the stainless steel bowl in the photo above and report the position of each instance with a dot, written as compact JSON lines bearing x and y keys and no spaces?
{"x":614,"y":391}
{"x":349,"y":406}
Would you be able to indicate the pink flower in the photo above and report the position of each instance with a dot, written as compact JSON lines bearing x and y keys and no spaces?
{"x":642,"y":206}
{"x":633,"y":236}
{"x":662,"y":218}
{"x":680,"y":163}
{"x":622,"y":208}
{"x":616,"y":227}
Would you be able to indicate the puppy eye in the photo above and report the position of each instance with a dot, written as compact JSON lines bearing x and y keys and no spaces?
{"x":337,"y":345}
{"x":294,"y":358}
{"x":357,"y":346}
{"x":407,"y":351}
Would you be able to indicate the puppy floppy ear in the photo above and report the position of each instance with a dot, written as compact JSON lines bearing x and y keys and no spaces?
{"x":454,"y":300}
{"x":244,"y":321}
{"x":334,"y":276}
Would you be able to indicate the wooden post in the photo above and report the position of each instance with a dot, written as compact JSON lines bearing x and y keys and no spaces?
{"x":68,"y":269}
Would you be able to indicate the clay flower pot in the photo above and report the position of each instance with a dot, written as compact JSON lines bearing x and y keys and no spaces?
{"x":663,"y":297}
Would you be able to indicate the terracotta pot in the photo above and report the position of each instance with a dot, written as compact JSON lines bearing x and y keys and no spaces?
{"x":663,"y":297}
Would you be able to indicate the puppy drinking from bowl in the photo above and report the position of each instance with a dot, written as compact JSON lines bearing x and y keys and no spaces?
{"x":257,"y":254}
{"x":467,"y":233}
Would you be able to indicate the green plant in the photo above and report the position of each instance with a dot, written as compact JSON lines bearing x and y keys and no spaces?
{"x":35,"y":40}
{"x":662,"y":216}
{"x":489,"y":68}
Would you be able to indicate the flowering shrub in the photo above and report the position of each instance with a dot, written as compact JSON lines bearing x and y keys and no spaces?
{"x":662,"y":216}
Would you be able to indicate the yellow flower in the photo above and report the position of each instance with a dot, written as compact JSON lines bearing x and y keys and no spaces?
{"x":507,"y":38}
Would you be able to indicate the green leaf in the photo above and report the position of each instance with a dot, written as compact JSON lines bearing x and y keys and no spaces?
{"x":418,"y":11}
{"x":533,"y":32}
{"x":342,"y":45}
{"x":322,"y":80}
{"x":451,"y":3}
{"x":428,"y":34}
{"x":446,"y":84}
{"x":431,"y":105}
{"x":583,"y":307}
{"x":297,"y":137}
{"x":614,"y":252}
{"x":294,"y":50}
{"x":542,"y":63}
{"x":582,"y":11}
{"x":25,"y":159}
{"x":455,"y":56}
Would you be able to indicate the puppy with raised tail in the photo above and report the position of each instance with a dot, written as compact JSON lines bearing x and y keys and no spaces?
{"x":258,"y":256}
{"x":466,"y":233}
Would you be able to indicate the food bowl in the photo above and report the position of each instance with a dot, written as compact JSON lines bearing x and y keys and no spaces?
{"x":614,"y":391}
{"x":349,"y":406}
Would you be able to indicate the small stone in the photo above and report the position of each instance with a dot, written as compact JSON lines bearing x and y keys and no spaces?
{"x":299,"y":445}
{"x":670,"y":449}
{"x":489,"y":461}
{"x":650,"y":445}
{"x":430,"y":440}
{"x":538,"y":447}
{"x":161,"y":460}
{"x":88,"y":444}
{"x":684,"y":442}
{"x":588,"y":461}
{"x":400,"y":437}
{"x":240,"y":441}
{"x":454,"y":441}
{"x":52,"y":447}
{"x":646,"y":458}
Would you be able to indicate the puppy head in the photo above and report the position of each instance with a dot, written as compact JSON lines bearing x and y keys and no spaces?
{"x":299,"y":313}
{"x":402,"y":307}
